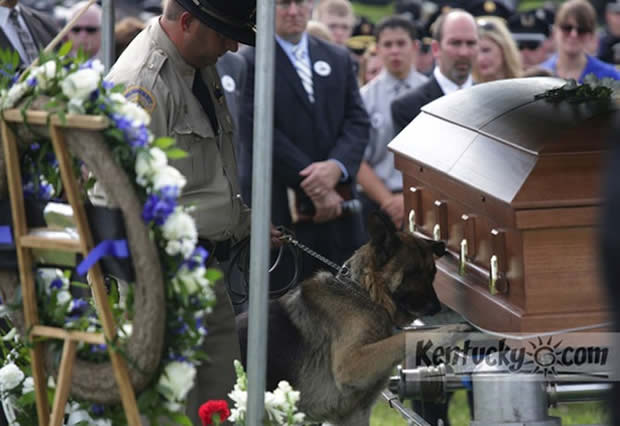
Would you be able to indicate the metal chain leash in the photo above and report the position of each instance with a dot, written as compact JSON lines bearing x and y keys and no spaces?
{"x":342,"y":270}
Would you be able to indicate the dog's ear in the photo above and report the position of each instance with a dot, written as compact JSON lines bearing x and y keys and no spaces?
{"x":382,"y":236}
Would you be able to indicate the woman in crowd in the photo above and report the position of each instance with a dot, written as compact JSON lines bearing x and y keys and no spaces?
{"x":370,"y":65}
{"x":498,"y":56}
{"x":573,"y":30}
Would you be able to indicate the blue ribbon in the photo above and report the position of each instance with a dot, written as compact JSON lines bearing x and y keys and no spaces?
{"x":6,"y":236}
{"x":115,"y":248}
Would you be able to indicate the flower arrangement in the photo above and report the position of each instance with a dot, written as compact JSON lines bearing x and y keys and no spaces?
{"x":280,"y":405}
{"x":73,"y":85}
{"x":592,"y":89}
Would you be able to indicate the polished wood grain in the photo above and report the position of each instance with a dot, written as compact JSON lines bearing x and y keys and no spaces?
{"x":518,"y":178}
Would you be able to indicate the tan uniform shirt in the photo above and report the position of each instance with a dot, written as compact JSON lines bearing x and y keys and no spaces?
{"x":156,"y":77}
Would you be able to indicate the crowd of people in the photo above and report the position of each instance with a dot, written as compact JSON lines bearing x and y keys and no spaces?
{"x":345,"y":88}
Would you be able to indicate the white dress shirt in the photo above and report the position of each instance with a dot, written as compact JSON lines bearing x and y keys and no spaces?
{"x":448,"y":86}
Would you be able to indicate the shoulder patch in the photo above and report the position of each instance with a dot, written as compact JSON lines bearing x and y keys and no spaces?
{"x":142,"y":96}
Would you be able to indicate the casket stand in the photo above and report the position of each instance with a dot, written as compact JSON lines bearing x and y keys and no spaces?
{"x":512,"y":185}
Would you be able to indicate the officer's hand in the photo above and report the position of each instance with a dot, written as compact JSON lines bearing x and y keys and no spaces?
{"x":327,"y":207}
{"x":394,"y":206}
{"x":320,"y":177}
{"x":276,"y":241}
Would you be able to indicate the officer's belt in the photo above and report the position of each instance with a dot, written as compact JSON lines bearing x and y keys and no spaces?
{"x":219,"y":250}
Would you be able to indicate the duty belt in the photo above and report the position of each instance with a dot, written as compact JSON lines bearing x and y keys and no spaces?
{"x":219,"y":250}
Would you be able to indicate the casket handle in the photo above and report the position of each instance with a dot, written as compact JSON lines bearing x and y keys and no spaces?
{"x":463,"y":256}
{"x":493,"y":275}
{"x":440,"y":230}
{"x":412,"y":221}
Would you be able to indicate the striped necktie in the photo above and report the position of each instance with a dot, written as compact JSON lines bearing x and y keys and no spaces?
{"x":303,"y":70}
{"x":28,"y":44}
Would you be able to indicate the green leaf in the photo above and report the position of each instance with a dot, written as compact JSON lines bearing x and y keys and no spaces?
{"x":176,"y":153}
{"x":65,"y":49}
{"x":214,"y":275}
{"x":26,"y":399}
{"x":164,"y":143}
{"x":180,"y":419}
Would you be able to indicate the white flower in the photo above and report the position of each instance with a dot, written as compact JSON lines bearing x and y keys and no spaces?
{"x":118,"y":98}
{"x":101,"y":422}
{"x":78,"y":417}
{"x":45,"y":74}
{"x":168,"y":176}
{"x":177,"y":380}
{"x":299,"y":418}
{"x":135,"y":113}
{"x":148,"y":162}
{"x":97,"y":66}
{"x":15,"y":93}
{"x":28,"y":385}
{"x":81,"y":83}
{"x":194,"y":281}
{"x":10,"y":335}
{"x":63,"y":297}
{"x":174,"y":407}
{"x":76,"y":106}
{"x":127,"y":329}
{"x":180,"y":231}
{"x":10,"y":376}
{"x":53,"y":279}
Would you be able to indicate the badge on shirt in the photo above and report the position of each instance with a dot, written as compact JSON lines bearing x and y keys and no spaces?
{"x":141,"y":96}
{"x":376,"y":120}
{"x":322,"y":68}
{"x":228,"y":83}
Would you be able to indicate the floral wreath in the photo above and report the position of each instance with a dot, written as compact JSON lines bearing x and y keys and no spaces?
{"x":76,"y":86}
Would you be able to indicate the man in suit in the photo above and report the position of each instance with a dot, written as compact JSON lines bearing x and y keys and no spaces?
{"x":455,"y":47}
{"x":25,"y":30}
{"x":320,"y":132}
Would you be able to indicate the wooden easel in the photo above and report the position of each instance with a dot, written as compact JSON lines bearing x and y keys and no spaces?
{"x":27,"y":239}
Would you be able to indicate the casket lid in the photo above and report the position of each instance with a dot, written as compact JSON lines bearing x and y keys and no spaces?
{"x":497,"y":138}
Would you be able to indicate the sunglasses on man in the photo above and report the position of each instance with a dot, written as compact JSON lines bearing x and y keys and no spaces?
{"x":89,"y":29}
{"x":568,"y":28}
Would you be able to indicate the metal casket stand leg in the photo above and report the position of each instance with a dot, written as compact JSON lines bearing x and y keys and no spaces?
{"x":509,"y":399}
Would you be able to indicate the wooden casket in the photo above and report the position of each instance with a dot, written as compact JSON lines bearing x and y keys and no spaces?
{"x":512,"y":185}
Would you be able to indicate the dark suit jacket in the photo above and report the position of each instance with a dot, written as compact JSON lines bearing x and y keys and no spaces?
{"x":42,"y":28}
{"x":407,"y":107}
{"x":232,"y":66}
{"x":336,"y":126}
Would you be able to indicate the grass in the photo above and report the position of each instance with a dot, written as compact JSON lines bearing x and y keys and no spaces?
{"x":458,"y":413}
{"x":372,"y":12}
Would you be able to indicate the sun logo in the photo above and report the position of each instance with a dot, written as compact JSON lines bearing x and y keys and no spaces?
{"x":544,"y":357}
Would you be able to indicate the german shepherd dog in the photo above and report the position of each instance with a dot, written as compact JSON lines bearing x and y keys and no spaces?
{"x":332,"y":338}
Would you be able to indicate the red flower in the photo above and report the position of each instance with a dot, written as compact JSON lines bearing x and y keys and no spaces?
{"x":209,"y":408}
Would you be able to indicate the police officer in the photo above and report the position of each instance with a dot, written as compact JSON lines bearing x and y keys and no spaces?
{"x":609,"y":45}
{"x":169,"y":69}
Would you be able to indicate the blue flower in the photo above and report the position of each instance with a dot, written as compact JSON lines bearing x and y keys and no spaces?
{"x":46,"y":191}
{"x":56,"y":284}
{"x":98,"y":348}
{"x":200,"y":326}
{"x":198,"y":258}
{"x":160,"y":205}
{"x":136,"y":136}
{"x":32,"y":81}
{"x":177,"y":357}
{"x":34,"y":146}
{"x":29,"y":190}
{"x":183,"y":327}
{"x":51,"y":159}
{"x":107,"y":85}
{"x":78,"y":309}
{"x":97,"y":409}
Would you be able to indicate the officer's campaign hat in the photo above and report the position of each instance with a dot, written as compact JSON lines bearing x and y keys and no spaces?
{"x":234,"y":19}
{"x":528,"y":29}
{"x":424,"y":35}
{"x":411,"y":9}
{"x":489,"y":8}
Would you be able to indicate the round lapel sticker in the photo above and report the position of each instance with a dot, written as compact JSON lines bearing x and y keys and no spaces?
{"x":376,"y":120}
{"x":228,"y":83}
{"x":322,"y":68}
